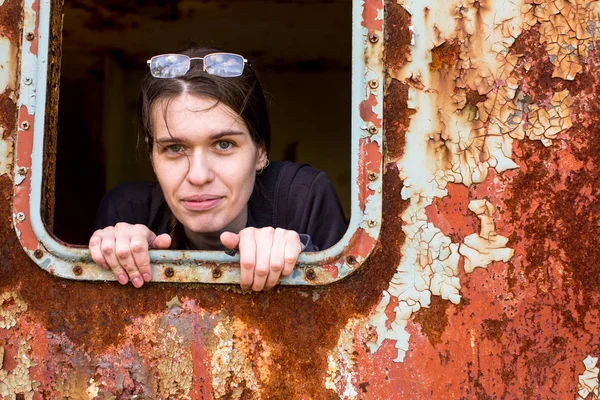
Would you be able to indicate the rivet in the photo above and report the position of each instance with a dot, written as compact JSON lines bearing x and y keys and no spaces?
{"x":216,"y":273}
{"x":310,"y":274}
{"x":25,"y":125}
{"x":372,"y":223}
{"x":30,"y":36}
{"x":169,"y":272}
{"x":373,"y":38}
{"x":372,"y":176}
{"x":28,"y":81}
{"x":38,"y":253}
{"x":23,"y":171}
{"x":20,"y":217}
{"x":351,"y":260}
{"x":77,"y":270}
{"x":373,"y":84}
{"x":373,"y":130}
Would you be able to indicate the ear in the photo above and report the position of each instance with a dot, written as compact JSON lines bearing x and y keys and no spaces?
{"x":261,"y":160}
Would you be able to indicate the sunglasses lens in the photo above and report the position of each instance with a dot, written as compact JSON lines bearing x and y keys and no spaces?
{"x":169,"y":65}
{"x":223,"y":64}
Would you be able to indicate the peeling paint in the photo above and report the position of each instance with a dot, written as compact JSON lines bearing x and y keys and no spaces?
{"x":588,"y":380}
{"x":236,"y":368}
{"x":11,"y":305}
{"x":342,"y":360}
{"x":18,"y":381}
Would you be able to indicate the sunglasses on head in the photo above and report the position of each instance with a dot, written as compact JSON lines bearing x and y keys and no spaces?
{"x":226,"y":65}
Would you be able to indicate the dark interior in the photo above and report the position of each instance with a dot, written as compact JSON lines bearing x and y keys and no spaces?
{"x":302,"y":50}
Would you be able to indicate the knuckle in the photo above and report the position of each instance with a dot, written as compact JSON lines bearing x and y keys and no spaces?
{"x":138,"y":247}
{"x":262,"y":272}
{"x":276,"y":267}
{"x":123,"y":253}
{"x":290,"y":259}
{"x":247,"y":264}
{"x":107,"y":248}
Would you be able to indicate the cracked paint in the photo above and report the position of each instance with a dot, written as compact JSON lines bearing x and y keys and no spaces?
{"x":342,"y":360}
{"x":18,"y":381}
{"x":11,"y":305}
{"x":588,"y":380}
{"x":237,"y":369}
{"x":469,"y":107}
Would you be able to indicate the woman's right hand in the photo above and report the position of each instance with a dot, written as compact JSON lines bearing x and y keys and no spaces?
{"x":124,"y":249}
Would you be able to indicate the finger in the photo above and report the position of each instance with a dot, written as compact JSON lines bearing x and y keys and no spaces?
{"x":264,"y":241}
{"x":276,"y":260}
{"x":162,"y":241}
{"x":108,"y":251}
{"x":141,"y":256}
{"x":293,"y":248}
{"x":125,"y":259}
{"x":247,"y":257}
{"x":230,"y":240}
{"x":96,"y":251}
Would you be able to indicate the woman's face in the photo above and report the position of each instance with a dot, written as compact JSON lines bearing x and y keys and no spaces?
{"x":205,"y":162}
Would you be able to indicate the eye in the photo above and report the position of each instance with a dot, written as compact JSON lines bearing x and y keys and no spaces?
{"x":224,"y":145}
{"x":174,"y":148}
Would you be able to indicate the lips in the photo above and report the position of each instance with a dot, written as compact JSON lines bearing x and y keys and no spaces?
{"x":201,"y":202}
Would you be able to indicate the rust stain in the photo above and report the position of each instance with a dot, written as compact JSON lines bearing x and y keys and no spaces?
{"x":90,"y":314}
{"x":444,"y":55}
{"x":398,"y":36}
{"x":10,"y":20}
{"x":8,"y":113}
{"x":35,"y":7}
{"x":397,"y":119}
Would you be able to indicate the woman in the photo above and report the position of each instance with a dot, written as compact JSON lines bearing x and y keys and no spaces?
{"x":205,"y":122}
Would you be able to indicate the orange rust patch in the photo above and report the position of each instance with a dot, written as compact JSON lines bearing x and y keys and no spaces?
{"x":398,"y":36}
{"x":10,"y":20}
{"x":444,"y":54}
{"x":397,"y":119}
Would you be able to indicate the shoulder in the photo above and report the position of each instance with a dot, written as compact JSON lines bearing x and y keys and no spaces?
{"x":289,"y":173}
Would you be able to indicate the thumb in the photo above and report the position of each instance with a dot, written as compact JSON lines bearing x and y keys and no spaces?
{"x":230,"y":240}
{"x":162,"y":241}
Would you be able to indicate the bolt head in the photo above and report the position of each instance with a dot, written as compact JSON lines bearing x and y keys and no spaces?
{"x":30,"y":36}
{"x":373,"y":38}
{"x":350,"y":260}
{"x":20,"y":217}
{"x":373,"y":84}
{"x":372,"y":176}
{"x":25,"y":125}
{"x":372,"y":223}
{"x":169,"y":272}
{"x":77,"y":270}
{"x":311,"y":274}
{"x":23,"y":171}
{"x":373,"y":130}
{"x":38,"y":253}
{"x":216,"y":273}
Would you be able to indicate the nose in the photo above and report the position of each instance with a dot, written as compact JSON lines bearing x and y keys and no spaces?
{"x":200,"y":170}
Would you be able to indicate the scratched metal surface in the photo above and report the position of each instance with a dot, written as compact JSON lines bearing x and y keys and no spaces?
{"x":484,"y":282}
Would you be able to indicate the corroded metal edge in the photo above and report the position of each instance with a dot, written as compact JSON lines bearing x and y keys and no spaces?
{"x":317,"y":268}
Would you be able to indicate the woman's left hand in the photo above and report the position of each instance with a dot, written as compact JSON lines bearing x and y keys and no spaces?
{"x":266,"y":254}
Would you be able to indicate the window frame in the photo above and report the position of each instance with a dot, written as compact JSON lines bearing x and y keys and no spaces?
{"x":317,"y":268}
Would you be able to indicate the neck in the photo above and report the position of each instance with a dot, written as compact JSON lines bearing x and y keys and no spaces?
{"x":212,"y":240}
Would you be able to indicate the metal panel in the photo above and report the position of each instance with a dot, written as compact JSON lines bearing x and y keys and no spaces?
{"x":322,"y":267}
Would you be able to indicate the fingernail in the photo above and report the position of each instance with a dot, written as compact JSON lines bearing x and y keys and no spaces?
{"x":137,"y":282}
{"x":122,"y":279}
{"x":147,"y":277}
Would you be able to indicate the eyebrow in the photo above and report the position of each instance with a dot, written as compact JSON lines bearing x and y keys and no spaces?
{"x":175,"y":139}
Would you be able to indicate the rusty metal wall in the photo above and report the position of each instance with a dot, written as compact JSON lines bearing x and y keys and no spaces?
{"x":484,"y":282}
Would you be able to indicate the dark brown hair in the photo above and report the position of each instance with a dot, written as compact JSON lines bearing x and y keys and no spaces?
{"x":243,"y":94}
